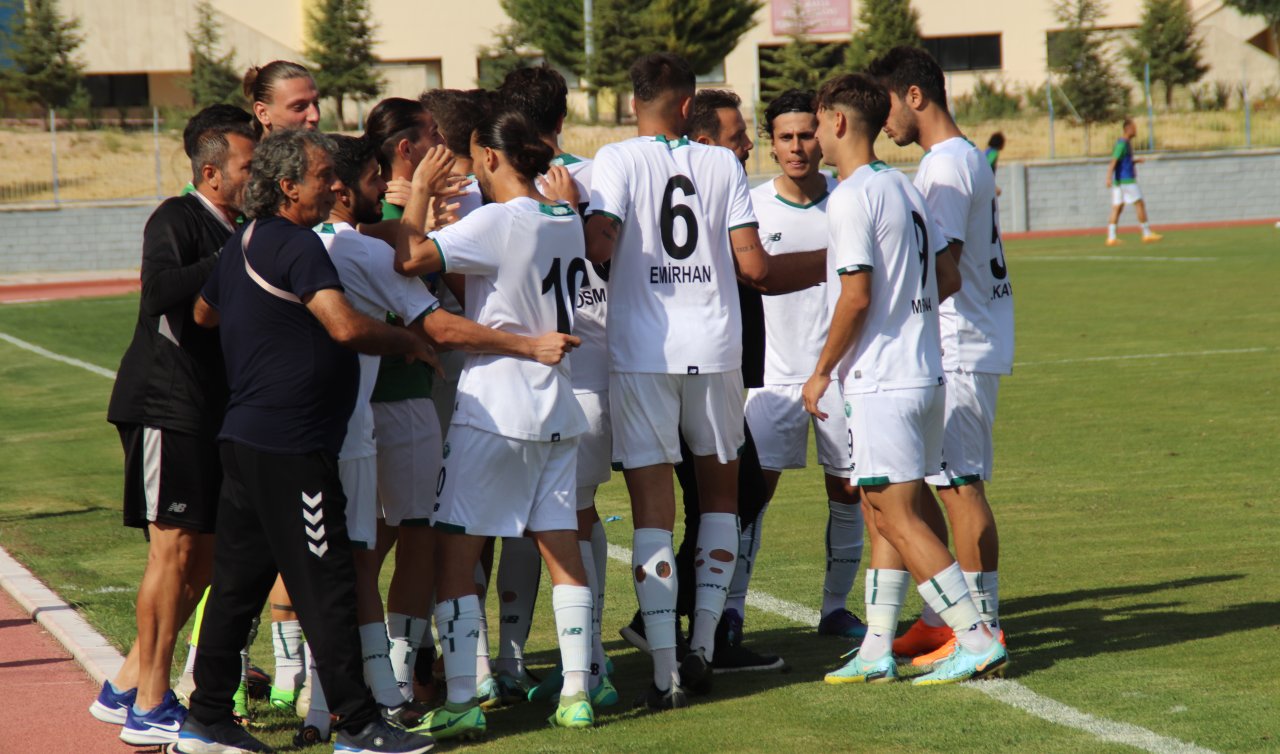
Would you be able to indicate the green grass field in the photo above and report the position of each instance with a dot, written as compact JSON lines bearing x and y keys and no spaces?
{"x":1137,"y":503}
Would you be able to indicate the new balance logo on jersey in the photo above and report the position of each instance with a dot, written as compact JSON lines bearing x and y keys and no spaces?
{"x":313,"y":523}
{"x":773,"y":238}
{"x":177,"y":508}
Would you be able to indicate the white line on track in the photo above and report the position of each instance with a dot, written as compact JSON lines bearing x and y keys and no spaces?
{"x":1011,"y":693}
{"x":1138,"y":356}
{"x":33,"y":348}
{"x":1111,"y":258}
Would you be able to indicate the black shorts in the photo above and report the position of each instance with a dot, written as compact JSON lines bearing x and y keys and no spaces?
{"x":170,"y":478}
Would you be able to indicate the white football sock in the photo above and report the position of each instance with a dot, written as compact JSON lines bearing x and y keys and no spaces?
{"x":1111,"y":232}
{"x":190,"y":667}
{"x":886,"y":591}
{"x":483,"y":668}
{"x":948,"y":594}
{"x":984,"y":587}
{"x":519,"y":571}
{"x":713,"y":567}
{"x":1146,"y":229}
{"x":597,"y":648}
{"x":318,"y":712}
{"x":931,"y":618}
{"x":844,"y":554}
{"x":600,"y":557}
{"x":375,"y":655}
{"x":406,"y":634}
{"x":653,"y":570}
{"x":459,"y":624}
{"x":748,"y":548}
{"x":572,"y":606}
{"x":286,"y":643}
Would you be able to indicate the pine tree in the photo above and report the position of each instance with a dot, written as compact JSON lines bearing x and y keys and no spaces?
{"x":213,"y":77}
{"x":883,"y":25}
{"x":1166,"y":39}
{"x":703,"y":32}
{"x":340,"y":44}
{"x":799,"y":64}
{"x":1078,"y":54}
{"x":42,"y":46}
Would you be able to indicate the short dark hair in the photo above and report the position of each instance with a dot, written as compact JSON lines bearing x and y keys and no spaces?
{"x":539,"y":92}
{"x":515,"y":135}
{"x":860,"y":95}
{"x":997,"y":140}
{"x":790,"y":101}
{"x":660,"y":73}
{"x":391,"y":120}
{"x":281,"y":156}
{"x":351,"y":154}
{"x":205,"y":137}
{"x":458,"y":113}
{"x":703,"y":119}
{"x":903,"y":67}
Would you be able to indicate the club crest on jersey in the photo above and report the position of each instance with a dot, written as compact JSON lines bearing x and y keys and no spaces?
{"x":848,"y":410}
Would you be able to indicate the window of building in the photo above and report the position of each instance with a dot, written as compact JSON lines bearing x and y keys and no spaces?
{"x":118,"y":90}
{"x":713,"y":76}
{"x":975,"y":52}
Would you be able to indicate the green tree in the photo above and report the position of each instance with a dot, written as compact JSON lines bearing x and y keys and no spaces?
{"x":501,"y":58}
{"x":1269,"y":10}
{"x":703,"y":32}
{"x":1079,"y":56}
{"x":799,"y":64}
{"x":42,"y":45}
{"x":340,"y":44}
{"x":213,"y":76}
{"x":882,"y":26}
{"x":1167,"y":40}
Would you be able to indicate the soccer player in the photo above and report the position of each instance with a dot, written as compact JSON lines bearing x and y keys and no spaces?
{"x":883,"y":342}
{"x":792,"y":210}
{"x":1122,"y":179}
{"x":277,"y":301}
{"x":168,"y":399}
{"x":541,"y":93}
{"x":662,"y":209}
{"x":511,"y":451}
{"x":282,"y":94}
{"x":366,"y":268}
{"x":994,"y":145}
{"x":977,"y":330}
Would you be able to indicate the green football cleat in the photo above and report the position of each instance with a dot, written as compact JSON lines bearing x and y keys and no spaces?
{"x":549,"y":687}
{"x":488,"y":693}
{"x":280,"y":699}
{"x":857,"y":670}
{"x":604,"y":695}
{"x":964,"y":665}
{"x":240,"y":704}
{"x":465,"y":721}
{"x":511,"y":688}
{"x":574,"y":712}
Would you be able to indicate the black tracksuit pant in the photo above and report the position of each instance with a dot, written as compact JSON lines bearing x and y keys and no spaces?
{"x":285,"y":514}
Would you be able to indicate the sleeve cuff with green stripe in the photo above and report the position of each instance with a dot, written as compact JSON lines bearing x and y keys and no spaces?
{"x":744,"y":225}
{"x":602,"y":213}
{"x":850,"y":269}
{"x":444,"y":264}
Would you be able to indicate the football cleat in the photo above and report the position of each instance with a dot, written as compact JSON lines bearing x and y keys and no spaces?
{"x":513,"y":688}
{"x":943,"y":652}
{"x":1151,"y":237}
{"x":604,"y":694}
{"x":921,"y":639}
{"x":381,"y":737}
{"x":1114,"y":242}
{"x":964,"y":665}
{"x":842,"y":623}
{"x":224,"y":736}
{"x":573,"y":712}
{"x":696,"y":672}
{"x":465,"y":721}
{"x":657,"y":700}
{"x":858,"y":670}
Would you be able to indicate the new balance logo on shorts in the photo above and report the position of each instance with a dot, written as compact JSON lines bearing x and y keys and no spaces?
{"x":177,"y":508}
{"x":313,"y":517}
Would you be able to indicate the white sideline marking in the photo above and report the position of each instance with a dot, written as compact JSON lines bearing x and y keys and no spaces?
{"x":1011,"y":693}
{"x":1115,"y":258}
{"x":1134,"y":356}
{"x":33,"y":348}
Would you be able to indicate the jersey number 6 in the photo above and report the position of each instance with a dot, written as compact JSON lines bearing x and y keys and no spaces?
{"x":670,"y":212}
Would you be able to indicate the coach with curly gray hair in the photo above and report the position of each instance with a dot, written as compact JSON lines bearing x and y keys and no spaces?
{"x":289,"y":338}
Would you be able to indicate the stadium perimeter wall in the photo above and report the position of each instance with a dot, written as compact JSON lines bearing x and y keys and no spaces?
{"x":1036,"y":196}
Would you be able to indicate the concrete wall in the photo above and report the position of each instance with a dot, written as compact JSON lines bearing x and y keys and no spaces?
{"x":1179,"y":188}
{"x":72,"y":238}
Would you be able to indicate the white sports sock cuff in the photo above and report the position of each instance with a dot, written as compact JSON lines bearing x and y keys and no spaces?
{"x":653,"y":571}
{"x":948,"y":594}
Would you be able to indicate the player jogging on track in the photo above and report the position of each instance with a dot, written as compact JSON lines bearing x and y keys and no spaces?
{"x":511,"y":451}
{"x":977,"y":331}
{"x":883,"y":342}
{"x":1122,"y":179}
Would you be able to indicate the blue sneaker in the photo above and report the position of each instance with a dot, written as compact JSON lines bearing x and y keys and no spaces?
{"x":964,"y":665}
{"x":857,"y":670}
{"x":842,"y":623}
{"x":111,"y":707}
{"x":157,"y":726}
{"x":220,"y":738}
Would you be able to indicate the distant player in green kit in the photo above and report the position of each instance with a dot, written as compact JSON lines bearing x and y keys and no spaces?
{"x":1122,"y":179}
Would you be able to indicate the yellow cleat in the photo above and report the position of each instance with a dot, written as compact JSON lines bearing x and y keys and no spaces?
{"x":1151,"y":238}
{"x":1114,"y":242}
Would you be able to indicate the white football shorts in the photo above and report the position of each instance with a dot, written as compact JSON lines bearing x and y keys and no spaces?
{"x":780,"y":426}
{"x":359,"y":478}
{"x":897,"y":434}
{"x":1125,"y":193}
{"x":649,"y":411}
{"x":966,"y":438}
{"x":595,"y":447}
{"x":409,"y":453}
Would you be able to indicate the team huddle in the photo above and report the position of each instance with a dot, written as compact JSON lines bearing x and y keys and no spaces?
{"x":447,"y":331}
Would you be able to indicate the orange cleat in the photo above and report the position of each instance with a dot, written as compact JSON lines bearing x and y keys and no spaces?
{"x":943,"y":652}
{"x":921,"y":639}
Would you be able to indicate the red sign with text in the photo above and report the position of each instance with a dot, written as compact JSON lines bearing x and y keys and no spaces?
{"x":819,"y":16}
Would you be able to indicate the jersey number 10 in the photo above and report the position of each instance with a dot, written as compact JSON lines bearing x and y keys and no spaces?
{"x":575,"y":277}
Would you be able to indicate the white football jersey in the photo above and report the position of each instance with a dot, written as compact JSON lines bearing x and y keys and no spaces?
{"x":795,"y":324}
{"x":879,"y":225}
{"x":366,"y":267}
{"x":672,"y":283}
{"x":590,"y":361}
{"x":522,"y":260}
{"x":977,"y":322}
